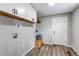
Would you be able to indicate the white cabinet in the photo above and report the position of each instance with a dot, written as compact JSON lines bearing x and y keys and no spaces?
{"x":26,"y":11}
{"x":7,"y":7}
{"x":31,"y":13}
{"x":23,"y":10}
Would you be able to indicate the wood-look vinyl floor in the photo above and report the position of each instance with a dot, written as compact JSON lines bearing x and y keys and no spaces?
{"x":52,"y":50}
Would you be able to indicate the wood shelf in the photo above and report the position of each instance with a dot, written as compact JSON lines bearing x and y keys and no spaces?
{"x":15,"y":17}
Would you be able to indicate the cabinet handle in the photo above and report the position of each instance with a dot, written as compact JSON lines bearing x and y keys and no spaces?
{"x":14,"y":11}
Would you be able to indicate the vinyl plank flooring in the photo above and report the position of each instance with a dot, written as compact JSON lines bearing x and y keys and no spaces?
{"x":52,"y":50}
{"x":35,"y":53}
{"x":47,"y":51}
{"x":72,"y":52}
{"x":62,"y":50}
{"x":66,"y":51}
{"x":40,"y":50}
{"x":56,"y":49}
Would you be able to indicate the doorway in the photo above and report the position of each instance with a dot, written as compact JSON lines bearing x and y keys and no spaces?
{"x":59,"y":32}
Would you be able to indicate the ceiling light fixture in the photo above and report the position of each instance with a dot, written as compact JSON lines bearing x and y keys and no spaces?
{"x":51,"y":4}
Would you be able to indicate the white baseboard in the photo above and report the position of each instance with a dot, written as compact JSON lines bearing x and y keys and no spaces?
{"x":27,"y":51}
{"x":48,"y":43}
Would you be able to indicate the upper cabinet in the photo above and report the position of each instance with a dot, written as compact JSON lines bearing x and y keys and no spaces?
{"x":23,"y":10}
{"x":6,"y":7}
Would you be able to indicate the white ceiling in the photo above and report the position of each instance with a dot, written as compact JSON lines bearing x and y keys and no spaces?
{"x":43,"y":9}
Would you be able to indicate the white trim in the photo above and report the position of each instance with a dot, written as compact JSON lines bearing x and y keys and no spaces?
{"x":54,"y":43}
{"x":27,"y":51}
{"x":48,"y":43}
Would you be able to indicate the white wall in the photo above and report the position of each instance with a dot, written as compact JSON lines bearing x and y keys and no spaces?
{"x":45,"y":28}
{"x":22,"y":44}
{"x":75,"y":30}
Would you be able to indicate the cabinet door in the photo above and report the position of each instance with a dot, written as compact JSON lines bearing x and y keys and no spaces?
{"x":7,"y":7}
{"x":26,"y":11}
{"x":32,"y":13}
{"x":60,"y":30}
{"x":22,"y":10}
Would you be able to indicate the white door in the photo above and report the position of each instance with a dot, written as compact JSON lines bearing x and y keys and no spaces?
{"x":59,"y":30}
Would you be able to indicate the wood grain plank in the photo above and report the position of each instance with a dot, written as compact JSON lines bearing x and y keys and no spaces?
{"x":72,"y":52}
{"x":41,"y":51}
{"x":52,"y":50}
{"x":65,"y":51}
{"x":62,"y":51}
{"x":48,"y":50}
